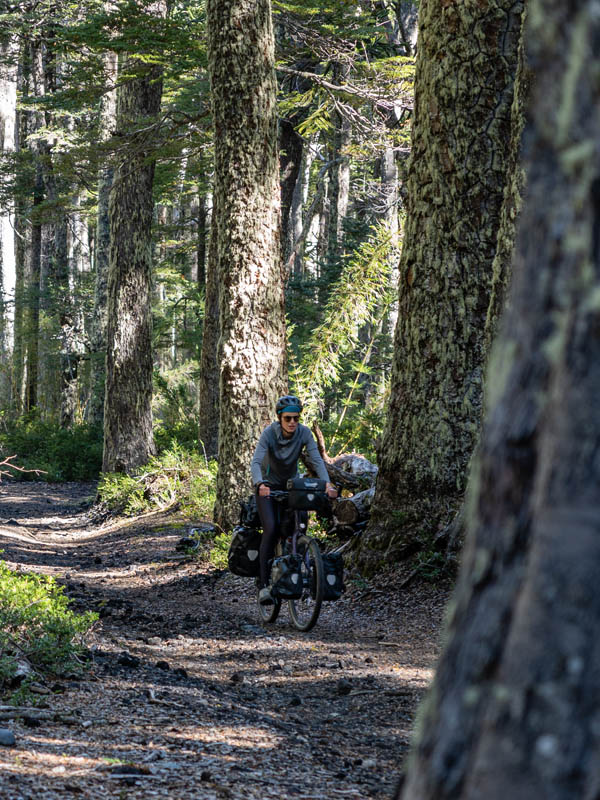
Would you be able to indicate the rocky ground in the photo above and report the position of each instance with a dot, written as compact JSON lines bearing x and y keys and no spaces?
{"x":188,"y":695}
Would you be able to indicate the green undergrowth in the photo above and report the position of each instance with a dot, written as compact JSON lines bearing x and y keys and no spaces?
{"x":175,"y":478}
{"x":209,"y":545}
{"x":73,"y":454}
{"x":38,"y":631}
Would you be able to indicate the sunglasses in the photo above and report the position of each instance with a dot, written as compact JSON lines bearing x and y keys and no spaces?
{"x":291,"y":418}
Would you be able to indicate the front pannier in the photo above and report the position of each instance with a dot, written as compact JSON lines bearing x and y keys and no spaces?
{"x":286,"y":577}
{"x":308,"y":494}
{"x":333,"y":567}
{"x":244,"y":549}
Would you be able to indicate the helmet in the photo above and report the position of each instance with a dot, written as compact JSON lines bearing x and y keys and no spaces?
{"x":289,"y":401}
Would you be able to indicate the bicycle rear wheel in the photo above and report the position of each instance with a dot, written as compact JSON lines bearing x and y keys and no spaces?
{"x":305,"y":611}
{"x":269,"y":613}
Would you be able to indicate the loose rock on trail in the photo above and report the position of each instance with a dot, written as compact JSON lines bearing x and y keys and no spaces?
{"x":188,"y":696}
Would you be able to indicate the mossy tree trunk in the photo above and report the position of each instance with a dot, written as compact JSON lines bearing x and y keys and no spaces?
{"x":514,"y":709}
{"x":247,"y":215}
{"x":128,"y":439}
{"x":464,"y":87}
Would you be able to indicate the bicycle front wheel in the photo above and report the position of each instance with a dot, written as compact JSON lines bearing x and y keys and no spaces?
{"x":305,"y":611}
{"x":270,"y":613}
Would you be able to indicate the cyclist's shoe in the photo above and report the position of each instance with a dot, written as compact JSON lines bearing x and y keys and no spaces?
{"x":265,"y":598}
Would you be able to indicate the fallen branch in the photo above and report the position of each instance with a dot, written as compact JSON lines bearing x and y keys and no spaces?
{"x":7,"y":463}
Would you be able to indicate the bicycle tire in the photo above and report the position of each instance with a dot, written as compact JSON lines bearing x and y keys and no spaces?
{"x":305,"y":611}
{"x":269,"y":614}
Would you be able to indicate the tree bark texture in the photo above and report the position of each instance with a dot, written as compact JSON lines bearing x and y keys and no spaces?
{"x":291,"y":146}
{"x":513,"y":193}
{"x":514,"y":708}
{"x":465,"y":73}
{"x":128,"y":439}
{"x":108,"y":111}
{"x":339,"y":194}
{"x":208,"y":393}
{"x":247,"y":203}
{"x":9,"y":51}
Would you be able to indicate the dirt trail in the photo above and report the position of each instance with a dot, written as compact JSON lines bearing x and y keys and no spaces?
{"x":188,"y":695}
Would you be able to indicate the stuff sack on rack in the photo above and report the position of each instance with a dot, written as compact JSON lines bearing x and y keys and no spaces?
{"x":333,"y":568}
{"x":242,"y":558}
{"x":286,"y":577}
{"x":308,"y":494}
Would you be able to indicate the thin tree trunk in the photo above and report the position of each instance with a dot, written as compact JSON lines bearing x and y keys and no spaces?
{"x":128,"y":438}
{"x":247,"y":202}
{"x":291,"y":147}
{"x":204,"y":228}
{"x":32,"y":302}
{"x":208,"y":390}
{"x":9,"y":52}
{"x":95,"y":408}
{"x":73,"y":339}
{"x":339,"y":187}
{"x":514,"y":709}
{"x":464,"y":86}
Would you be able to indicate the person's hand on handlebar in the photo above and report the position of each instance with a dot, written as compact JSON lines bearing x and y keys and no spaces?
{"x":264,"y":490}
{"x":331,"y":490}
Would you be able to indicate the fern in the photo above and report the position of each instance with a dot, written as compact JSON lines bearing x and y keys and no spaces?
{"x":361,"y":290}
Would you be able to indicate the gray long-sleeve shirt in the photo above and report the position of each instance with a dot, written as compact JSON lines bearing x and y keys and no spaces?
{"x":275,"y":459}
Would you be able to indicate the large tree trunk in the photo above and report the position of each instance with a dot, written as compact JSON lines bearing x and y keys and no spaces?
{"x":247,"y":202}
{"x":514,"y":709}
{"x":128,"y":439}
{"x":513,"y":193}
{"x":466,"y":64}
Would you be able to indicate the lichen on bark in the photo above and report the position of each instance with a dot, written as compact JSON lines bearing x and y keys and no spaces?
{"x":514,"y":707}
{"x":464,"y":86}
{"x":247,"y":214}
{"x":128,"y":436}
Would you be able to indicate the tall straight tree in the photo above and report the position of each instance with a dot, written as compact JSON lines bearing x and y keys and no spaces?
{"x":247,"y":212}
{"x":108,"y":109}
{"x":9,"y":57}
{"x":208,"y":394}
{"x":128,"y":439}
{"x":464,"y":87}
{"x":514,"y":709}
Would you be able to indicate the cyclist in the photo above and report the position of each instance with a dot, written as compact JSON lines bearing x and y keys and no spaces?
{"x":275,"y":461}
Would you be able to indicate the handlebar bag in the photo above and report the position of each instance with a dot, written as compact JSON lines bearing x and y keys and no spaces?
{"x":242,"y":557}
{"x":308,"y":494}
{"x":286,"y":577}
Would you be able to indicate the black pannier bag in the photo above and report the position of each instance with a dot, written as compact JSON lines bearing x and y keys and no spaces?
{"x":308,"y":494}
{"x":286,"y":577}
{"x":242,"y":558}
{"x":333,"y":568}
{"x":249,"y":513}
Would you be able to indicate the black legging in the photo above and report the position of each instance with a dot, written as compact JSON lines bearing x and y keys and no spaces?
{"x":269,"y":519}
{"x":276,"y":520}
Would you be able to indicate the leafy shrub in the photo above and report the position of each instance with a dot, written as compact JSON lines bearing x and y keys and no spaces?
{"x":37,"y":624}
{"x":175,"y":476}
{"x":219,"y":550}
{"x":73,"y":454}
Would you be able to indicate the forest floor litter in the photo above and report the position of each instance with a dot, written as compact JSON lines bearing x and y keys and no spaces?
{"x":188,"y":695}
